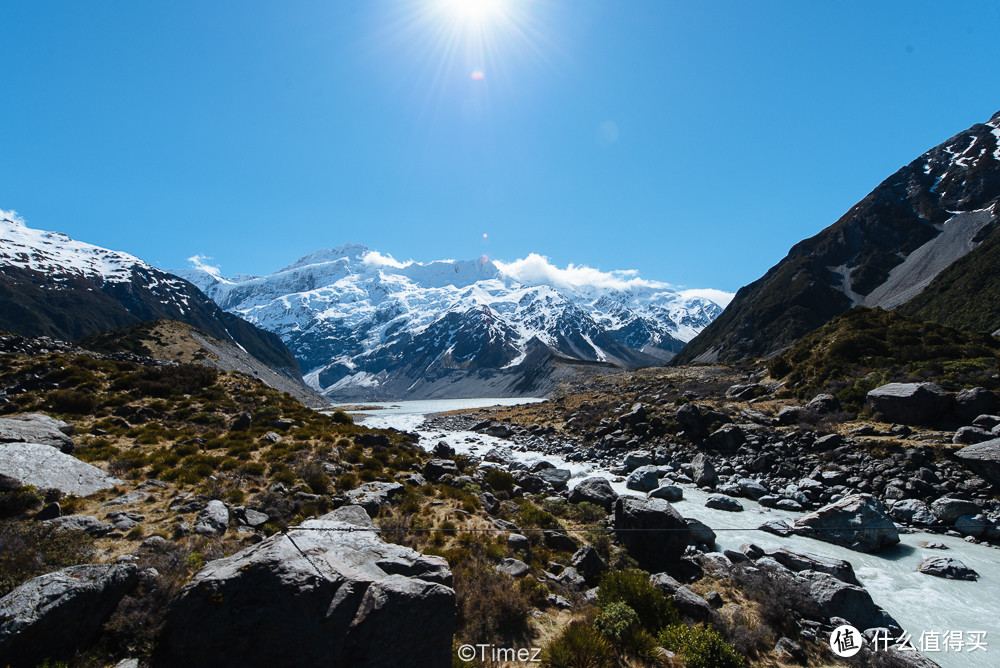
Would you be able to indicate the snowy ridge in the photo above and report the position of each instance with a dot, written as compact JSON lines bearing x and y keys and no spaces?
{"x":356,"y":318}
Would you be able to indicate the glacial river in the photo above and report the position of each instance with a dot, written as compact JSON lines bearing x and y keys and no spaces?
{"x":922,"y":604}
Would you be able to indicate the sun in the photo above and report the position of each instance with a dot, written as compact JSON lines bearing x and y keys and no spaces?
{"x":475,"y":13}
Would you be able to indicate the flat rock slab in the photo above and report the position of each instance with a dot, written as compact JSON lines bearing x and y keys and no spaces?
{"x":54,"y":614}
{"x":911,"y":403}
{"x":46,"y":467}
{"x":36,"y":428}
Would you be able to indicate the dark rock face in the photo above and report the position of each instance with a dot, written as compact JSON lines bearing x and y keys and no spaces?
{"x":653,"y":532}
{"x":806,"y":561}
{"x":589,"y":564}
{"x":947,"y":567}
{"x":558,"y":478}
{"x":702,"y":471}
{"x":435,"y":468}
{"x":720,"y":502}
{"x":595,"y":490}
{"x":858,"y":522}
{"x":53,"y":615}
{"x":971,"y":403}
{"x":854,"y":256}
{"x":315,"y":598}
{"x":983,"y":459}
{"x":911,"y":403}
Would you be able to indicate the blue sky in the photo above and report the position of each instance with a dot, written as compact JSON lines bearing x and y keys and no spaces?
{"x":694,"y":142}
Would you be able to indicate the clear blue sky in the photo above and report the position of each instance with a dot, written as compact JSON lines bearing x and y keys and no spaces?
{"x":692,"y":141}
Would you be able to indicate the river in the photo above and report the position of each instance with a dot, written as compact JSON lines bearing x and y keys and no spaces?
{"x":922,"y":604}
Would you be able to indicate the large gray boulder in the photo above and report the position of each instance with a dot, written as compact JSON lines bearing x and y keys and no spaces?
{"x":653,"y":532}
{"x":947,"y":567}
{"x":372,"y":496}
{"x":807,"y":561}
{"x":837,"y":598}
{"x":983,"y":459}
{"x":948,"y":509}
{"x":336,"y":596}
{"x":53,"y":615}
{"x":86,"y":523}
{"x":594,"y":490}
{"x":213,"y":519}
{"x":36,"y":428}
{"x":46,"y":467}
{"x":558,"y":478}
{"x":643,"y":479}
{"x":913,"y":511}
{"x":971,"y":403}
{"x":858,"y":522}
{"x":727,"y":438}
{"x":911,"y":403}
{"x":702,"y":471}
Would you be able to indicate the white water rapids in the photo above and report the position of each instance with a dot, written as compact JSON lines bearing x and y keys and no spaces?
{"x":922,"y":604}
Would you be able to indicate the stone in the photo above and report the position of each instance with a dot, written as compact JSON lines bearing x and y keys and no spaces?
{"x":701,"y":533}
{"x":948,"y":509}
{"x":558,"y":541}
{"x":85,"y":523}
{"x":242,"y":422}
{"x":987,"y":422}
{"x":44,"y":467}
{"x":837,"y":598}
{"x":911,"y":403}
{"x":743,"y":392}
{"x":557,"y":478}
{"x":500,"y":455}
{"x":589,"y":564}
{"x":790,"y":415}
{"x":778,"y":527}
{"x":971,"y":403}
{"x":531,"y":482}
{"x":435,"y":468}
{"x":789,"y":504}
{"x":727,"y":438}
{"x":36,"y":428}
{"x":751,"y":488}
{"x":688,"y":603}
{"x":807,"y":561}
{"x":721,"y":502}
{"x":514,"y":568}
{"x":213,"y":519}
{"x":947,"y":567}
{"x":702,"y":472}
{"x":518,"y":543}
{"x":981,"y":458}
{"x":858,"y":522}
{"x":971,"y":525}
{"x":653,"y":532}
{"x":786,"y":648}
{"x":594,"y":490}
{"x":913,"y":511}
{"x":53,"y":615}
{"x":443,"y":451}
{"x":334,"y":596}
{"x":126,"y":499}
{"x":634,"y":460}
{"x":373,"y":496}
{"x":671,"y":493}
{"x":970,"y":435}
{"x":558,"y":602}
{"x":643,"y":479}
{"x":823,"y":404}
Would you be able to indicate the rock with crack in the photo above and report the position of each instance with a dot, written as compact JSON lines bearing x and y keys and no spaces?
{"x":37,"y":428}
{"x":331,"y":593}
{"x":54,"y":615}
{"x":858,"y":522}
{"x":46,"y":467}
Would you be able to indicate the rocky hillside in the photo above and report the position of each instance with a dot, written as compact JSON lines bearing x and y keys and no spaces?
{"x":364,"y":326}
{"x":884,"y":252}
{"x":51,"y":285}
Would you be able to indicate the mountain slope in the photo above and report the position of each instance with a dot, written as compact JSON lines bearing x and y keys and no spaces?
{"x":883,"y":252}
{"x":55,"y":286}
{"x":365,"y":326}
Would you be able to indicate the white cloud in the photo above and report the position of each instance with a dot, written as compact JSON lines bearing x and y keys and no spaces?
{"x":536,"y":269}
{"x":12,"y":217}
{"x":380,"y":260}
{"x":199,"y":262}
{"x":720,"y":297}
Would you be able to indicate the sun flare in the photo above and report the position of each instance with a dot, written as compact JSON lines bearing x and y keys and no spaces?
{"x":474,"y":12}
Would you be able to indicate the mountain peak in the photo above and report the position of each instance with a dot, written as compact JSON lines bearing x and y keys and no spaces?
{"x":324,"y":255}
{"x":11,"y":218}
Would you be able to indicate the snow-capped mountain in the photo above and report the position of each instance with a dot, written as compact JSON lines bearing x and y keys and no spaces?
{"x":365,"y":326}
{"x":52,"y":285}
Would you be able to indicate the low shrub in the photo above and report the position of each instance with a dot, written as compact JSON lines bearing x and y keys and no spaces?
{"x":579,"y":646}
{"x":633,"y":588}
{"x":701,"y":647}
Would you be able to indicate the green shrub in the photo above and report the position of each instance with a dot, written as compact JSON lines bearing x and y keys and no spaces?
{"x":579,"y":646}
{"x":615,"y":620}
{"x":500,"y":481}
{"x":340,"y":417}
{"x":632,"y":587}
{"x":31,"y":549}
{"x":73,"y":402}
{"x":701,"y":647}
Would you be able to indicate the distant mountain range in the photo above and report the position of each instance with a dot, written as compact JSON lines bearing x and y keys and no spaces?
{"x":51,"y":285}
{"x":925,"y":241}
{"x":364,"y":326}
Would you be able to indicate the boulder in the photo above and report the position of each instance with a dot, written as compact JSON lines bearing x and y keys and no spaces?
{"x":46,"y":467}
{"x":653,"y":532}
{"x":644,"y":479}
{"x":435,"y":468}
{"x":947,"y":567}
{"x":823,"y":404}
{"x":558,"y":541}
{"x":53,"y":615}
{"x":751,"y":489}
{"x":634,"y":460}
{"x":720,"y":502}
{"x":688,"y":603}
{"x":85,"y":523}
{"x":514,"y":568}
{"x":557,"y":478}
{"x":337,"y":596}
{"x":373,"y":496}
{"x":972,"y":525}
{"x":971,"y":403}
{"x":970,"y":435}
{"x":499,"y":455}
{"x":532,"y":482}
{"x":727,"y":438}
{"x":858,"y":522}
{"x":518,"y":543}
{"x":701,"y":533}
{"x":213,"y":519}
{"x":589,"y":564}
{"x":36,"y":428}
{"x":702,"y":471}
{"x":981,"y":458}
{"x":911,"y":403}
{"x":689,"y":417}
{"x":594,"y":490}
{"x":913,"y":511}
{"x":671,"y":493}
{"x":948,"y":509}
{"x":837,"y":598}
{"x":807,"y":561}
{"x":242,"y":422}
